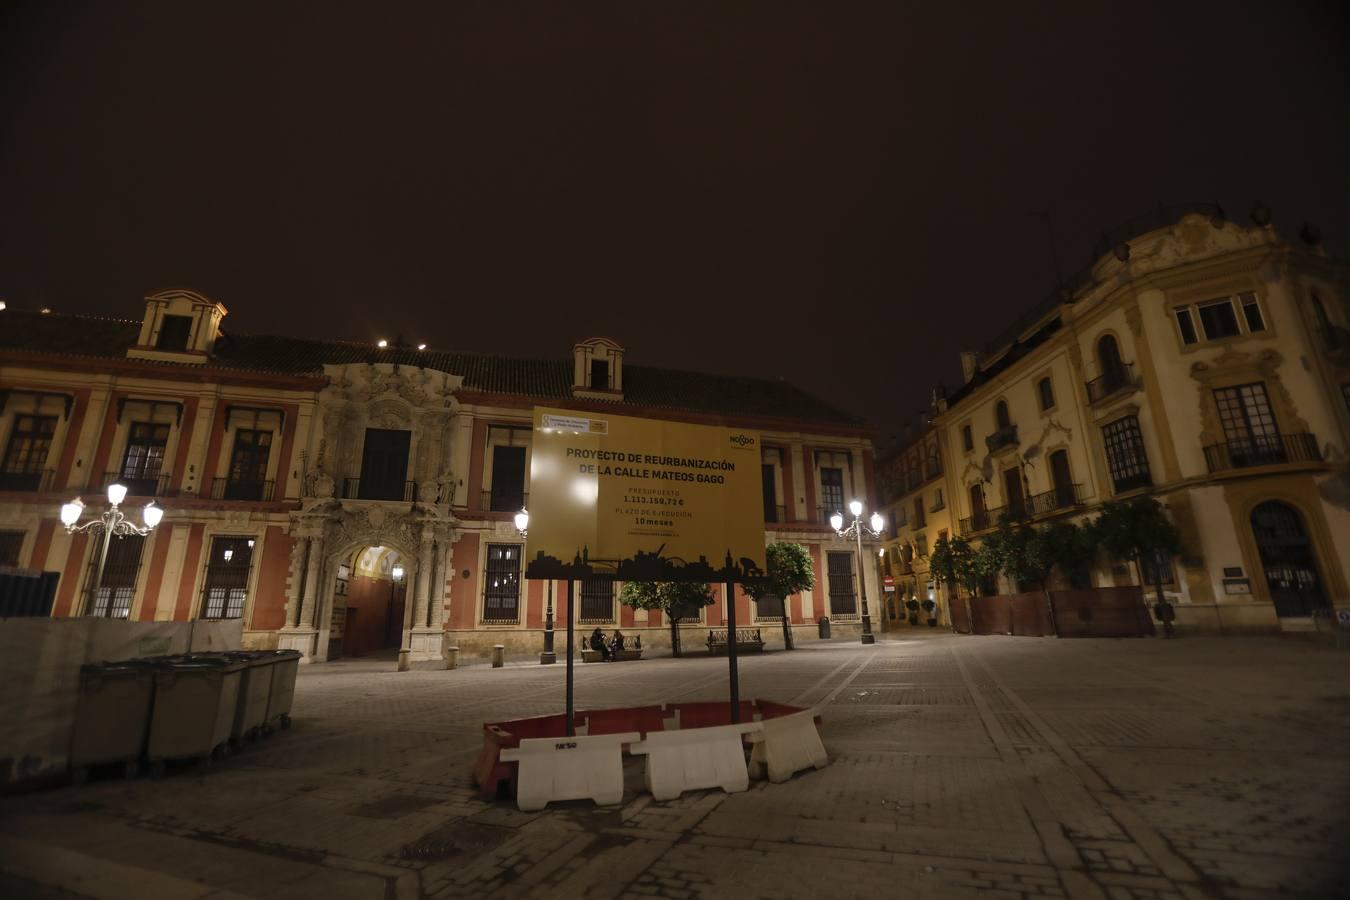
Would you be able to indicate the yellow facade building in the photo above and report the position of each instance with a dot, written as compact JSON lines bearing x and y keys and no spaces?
{"x":1200,"y":361}
{"x":913,"y":486}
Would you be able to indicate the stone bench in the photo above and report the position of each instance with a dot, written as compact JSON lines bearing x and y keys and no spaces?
{"x":748,"y":640}
{"x":628,"y":654}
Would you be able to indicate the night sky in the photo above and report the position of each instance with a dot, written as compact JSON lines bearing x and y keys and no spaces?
{"x":839,"y":194}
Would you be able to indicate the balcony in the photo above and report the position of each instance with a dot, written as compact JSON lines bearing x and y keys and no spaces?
{"x":228,"y":489}
{"x":1057,"y":498}
{"x":1266,"y":450}
{"x":504,"y":500}
{"x":41,"y":480}
{"x":372,"y":489}
{"x":1004,"y":437}
{"x":144,"y":484}
{"x":1112,"y":382}
{"x":1130,"y":482}
{"x":982,"y":520}
{"x":774,"y":514}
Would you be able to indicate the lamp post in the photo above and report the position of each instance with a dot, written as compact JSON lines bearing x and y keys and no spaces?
{"x":855,"y":531}
{"x":548,"y":657}
{"x":111,"y":523}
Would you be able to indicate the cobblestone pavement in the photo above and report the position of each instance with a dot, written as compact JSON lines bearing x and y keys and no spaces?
{"x":984,"y":767}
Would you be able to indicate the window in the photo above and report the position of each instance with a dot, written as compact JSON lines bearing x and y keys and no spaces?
{"x":1047,"y":392}
{"x":967,"y":439}
{"x":1013,"y":498}
{"x":831,"y":490}
{"x":1157,"y":568}
{"x":501,"y":584}
{"x":144,"y":458}
{"x":842,"y":599}
{"x":113,"y":595}
{"x":1125,"y":454}
{"x":226,"y":586}
{"x":10,"y":544}
{"x":384,"y":465}
{"x":1249,"y":427}
{"x":26,"y":453}
{"x":1065,"y":492}
{"x":1251,"y":311}
{"x":1001,"y":415}
{"x":1185,"y":323}
{"x":900,"y":515}
{"x":1218,"y":320}
{"x":508,"y":479}
{"x":599,"y":375}
{"x":934,"y":463}
{"x":919,"y":520}
{"x":1345,"y":394}
{"x":248,"y":465}
{"x":921,"y":544}
{"x":939,"y":502}
{"x":766,"y":475}
{"x":597,"y":601}
{"x":174,"y":332}
{"x":1108,"y":356}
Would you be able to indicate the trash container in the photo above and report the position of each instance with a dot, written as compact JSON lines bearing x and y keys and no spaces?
{"x":255,"y":690}
{"x":195,"y":701}
{"x":111,"y":716}
{"x":287,"y":663}
{"x":824,"y":624}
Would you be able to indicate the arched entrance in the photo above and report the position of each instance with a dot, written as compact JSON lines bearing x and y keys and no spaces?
{"x":369,"y":602}
{"x":1288,"y":560}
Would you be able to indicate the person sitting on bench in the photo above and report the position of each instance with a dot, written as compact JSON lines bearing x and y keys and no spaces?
{"x":598,"y":643}
{"x":616,"y":645}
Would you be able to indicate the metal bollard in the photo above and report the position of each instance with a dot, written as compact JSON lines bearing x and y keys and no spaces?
{"x":498,"y":655}
{"x":452,"y":657}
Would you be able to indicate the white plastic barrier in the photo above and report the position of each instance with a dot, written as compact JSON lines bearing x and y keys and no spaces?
{"x":569,"y":768}
{"x":679,"y":761}
{"x":787,"y":745}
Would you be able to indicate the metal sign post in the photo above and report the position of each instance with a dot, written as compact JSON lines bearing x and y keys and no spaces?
{"x":571,"y":651}
{"x":730,"y":594}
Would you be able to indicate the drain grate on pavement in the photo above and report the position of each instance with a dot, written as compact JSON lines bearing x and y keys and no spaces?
{"x":456,"y":839}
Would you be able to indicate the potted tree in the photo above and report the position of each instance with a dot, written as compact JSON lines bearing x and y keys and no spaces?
{"x":913,"y":606}
{"x":788,"y":572}
{"x":1140,"y":531}
{"x":676,"y":599}
{"x":931,"y":608}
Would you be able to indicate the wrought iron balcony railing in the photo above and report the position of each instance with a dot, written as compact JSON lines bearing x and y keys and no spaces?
{"x":1114,"y":379}
{"x":145,"y":484}
{"x":230,"y":489}
{"x":511,"y":501}
{"x":1265,"y":450}
{"x":1004,"y":437}
{"x":373,"y":489}
{"x":1056,"y":498}
{"x":982,"y":520}
{"x":39,"y":481}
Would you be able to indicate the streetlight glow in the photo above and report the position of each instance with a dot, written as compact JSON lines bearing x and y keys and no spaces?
{"x":855,"y":531}
{"x":152,"y":514}
{"x":522,"y":520}
{"x":70,"y":512}
{"x":855,"y":507}
{"x":837,"y":521}
{"x":878,"y":522}
{"x":381,"y":343}
{"x":117,"y":493}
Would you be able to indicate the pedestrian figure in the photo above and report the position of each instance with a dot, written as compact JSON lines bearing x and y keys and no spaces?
{"x":598,"y":643}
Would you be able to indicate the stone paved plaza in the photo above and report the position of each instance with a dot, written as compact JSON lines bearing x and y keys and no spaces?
{"x":990,"y":767}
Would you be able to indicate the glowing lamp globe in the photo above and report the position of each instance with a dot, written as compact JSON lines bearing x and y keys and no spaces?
{"x":837,"y":521}
{"x":70,"y":512}
{"x":522,"y":520}
{"x":152,"y":515}
{"x":878,"y":522}
{"x":855,"y":507}
{"x":117,"y":493}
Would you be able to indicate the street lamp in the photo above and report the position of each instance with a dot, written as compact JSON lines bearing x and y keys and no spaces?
{"x":112,"y":523}
{"x":548,"y":657}
{"x":855,"y":531}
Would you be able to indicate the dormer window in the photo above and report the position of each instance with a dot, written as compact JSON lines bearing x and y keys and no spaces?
{"x":599,"y":375}
{"x":174,"y":332}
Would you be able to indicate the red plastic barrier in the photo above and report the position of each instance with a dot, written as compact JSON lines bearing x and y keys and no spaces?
{"x":641,"y":719}
{"x":706,"y":714}
{"x":489,"y":770}
{"x":768,"y":709}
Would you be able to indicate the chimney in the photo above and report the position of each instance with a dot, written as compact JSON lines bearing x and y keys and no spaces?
{"x":970,"y":360}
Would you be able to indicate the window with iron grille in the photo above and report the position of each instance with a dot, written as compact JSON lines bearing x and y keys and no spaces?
{"x":115,"y":591}
{"x":10,"y":544}
{"x":1157,"y":568}
{"x":144,"y":458}
{"x":597,"y":601}
{"x":832,"y":489}
{"x":225,"y":589}
{"x":1248,"y":423}
{"x":1125,"y":454}
{"x":26,"y":453}
{"x":843,"y":600}
{"x":501,"y":583}
{"x":1047,"y":392}
{"x":248,"y":464}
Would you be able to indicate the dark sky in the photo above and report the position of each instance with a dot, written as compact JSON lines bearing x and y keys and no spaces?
{"x":840,"y":194}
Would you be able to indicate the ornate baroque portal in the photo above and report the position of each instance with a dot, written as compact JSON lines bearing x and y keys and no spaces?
{"x":334,"y":521}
